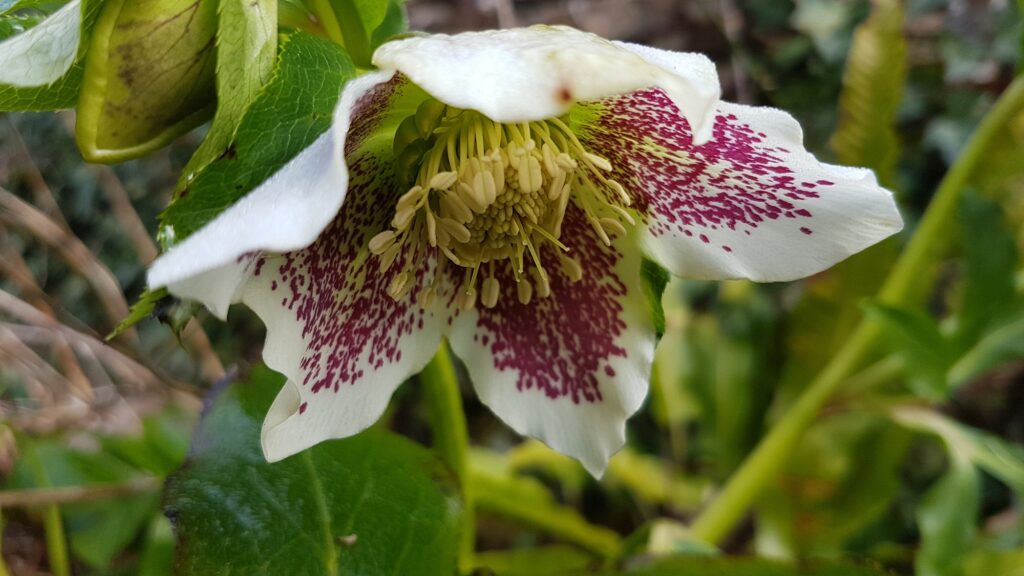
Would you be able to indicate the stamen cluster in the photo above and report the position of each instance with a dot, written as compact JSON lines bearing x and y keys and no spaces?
{"x":489,"y":195}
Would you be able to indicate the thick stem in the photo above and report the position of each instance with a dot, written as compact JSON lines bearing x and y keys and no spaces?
{"x":909,"y":274}
{"x":451,"y":439}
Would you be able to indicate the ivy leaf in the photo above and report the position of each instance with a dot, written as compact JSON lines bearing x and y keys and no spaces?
{"x":246,"y":49}
{"x":61,"y":92}
{"x":294,"y":107}
{"x":916,"y":337}
{"x":371,"y":504}
{"x":149,"y":76}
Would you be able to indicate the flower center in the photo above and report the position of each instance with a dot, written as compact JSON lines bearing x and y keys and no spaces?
{"x":489,"y":195}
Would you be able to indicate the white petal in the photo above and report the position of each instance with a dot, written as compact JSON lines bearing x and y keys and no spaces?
{"x":44,"y":53}
{"x":527,"y":74}
{"x":568,"y":369}
{"x":750,"y":203}
{"x":699,"y":108}
{"x":332,"y":329}
{"x":287,"y":212}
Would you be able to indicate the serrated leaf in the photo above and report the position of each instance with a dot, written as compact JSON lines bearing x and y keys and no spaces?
{"x":246,"y":51}
{"x":371,"y":504}
{"x":872,"y":89}
{"x":143,"y":308}
{"x":292,"y":110}
{"x":149,"y":76}
{"x":990,"y":258}
{"x":915,"y":336}
{"x":63,"y":92}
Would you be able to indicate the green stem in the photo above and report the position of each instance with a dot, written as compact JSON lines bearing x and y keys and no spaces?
{"x":906,"y":279}
{"x":451,"y":439}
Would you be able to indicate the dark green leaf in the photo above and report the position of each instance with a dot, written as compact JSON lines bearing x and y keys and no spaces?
{"x":916,"y":337}
{"x":292,"y":110}
{"x":372,"y":504}
{"x":149,"y":76}
{"x":246,"y":50}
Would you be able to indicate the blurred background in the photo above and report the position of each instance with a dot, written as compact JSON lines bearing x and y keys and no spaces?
{"x":915,"y":467}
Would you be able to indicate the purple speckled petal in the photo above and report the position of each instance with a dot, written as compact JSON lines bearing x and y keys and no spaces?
{"x":571,"y":368}
{"x":750,"y":203}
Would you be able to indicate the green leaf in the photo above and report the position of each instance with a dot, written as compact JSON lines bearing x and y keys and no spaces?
{"x":293,"y":109}
{"x":157,"y":558}
{"x":990,"y":258}
{"x":916,"y":337}
{"x":246,"y":51}
{"x":64,"y":92}
{"x":948,"y":513}
{"x":993,"y":562}
{"x":498,"y":492}
{"x":946,"y":517}
{"x":360,"y":25}
{"x":98,"y":532}
{"x":371,"y":504}
{"x":546,"y":561}
{"x":725,"y":566}
{"x":872,"y":89}
{"x":996,"y":348}
{"x":143,"y":308}
{"x":655,"y":278}
{"x":149,"y":76}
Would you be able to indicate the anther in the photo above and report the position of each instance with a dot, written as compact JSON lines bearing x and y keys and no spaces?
{"x":381,"y":242}
{"x":543,"y":283}
{"x":524,"y":290}
{"x":443,"y":180}
{"x":598,"y":161}
{"x":489,"y":292}
{"x":400,"y":285}
{"x":431,"y":228}
{"x":572,"y":268}
{"x":612,"y":226}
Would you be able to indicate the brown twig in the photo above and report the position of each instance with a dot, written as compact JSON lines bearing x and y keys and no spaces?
{"x":75,"y":494}
{"x":14,"y":267}
{"x":18,"y":213}
{"x":40,"y":189}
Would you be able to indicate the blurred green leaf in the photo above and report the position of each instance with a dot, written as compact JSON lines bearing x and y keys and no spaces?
{"x":157,"y":558}
{"x":872,"y":90}
{"x":293,"y":109}
{"x":994,"y":349}
{"x":143,"y":308}
{"x":246,"y":50}
{"x":395,"y":22}
{"x":544,"y":561}
{"x":916,"y":337}
{"x":990,"y":258}
{"x":149,"y":76}
{"x":947,"y":516}
{"x":98,"y":531}
{"x":159,"y":450}
{"x":496,"y":490}
{"x":994,"y":563}
{"x":371,"y":504}
{"x":64,"y":92}
{"x":722,"y":566}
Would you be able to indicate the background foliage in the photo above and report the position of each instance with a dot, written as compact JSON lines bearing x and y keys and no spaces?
{"x":915,"y":466}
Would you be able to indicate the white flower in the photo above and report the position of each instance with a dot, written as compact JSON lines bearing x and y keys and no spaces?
{"x":501,"y":189}
{"x":44,"y":53}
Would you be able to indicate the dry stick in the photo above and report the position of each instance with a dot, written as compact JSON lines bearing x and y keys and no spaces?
{"x":75,"y":494}
{"x":43,"y":195}
{"x":16,"y":212}
{"x":123,"y":365}
{"x":14,"y":267}
{"x":146,"y":250}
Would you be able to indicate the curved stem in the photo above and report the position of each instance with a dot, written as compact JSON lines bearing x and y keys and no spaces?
{"x":451,"y":438}
{"x":906,"y":279}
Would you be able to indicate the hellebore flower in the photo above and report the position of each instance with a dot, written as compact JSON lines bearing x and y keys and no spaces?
{"x":501,"y":189}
